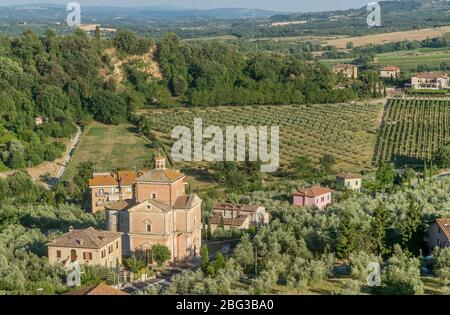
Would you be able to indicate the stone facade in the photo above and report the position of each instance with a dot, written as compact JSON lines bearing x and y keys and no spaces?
{"x":88,"y":247}
{"x":348,"y":71}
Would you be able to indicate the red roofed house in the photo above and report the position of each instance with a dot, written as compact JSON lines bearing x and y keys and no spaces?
{"x":107,"y":188}
{"x":319,"y":197}
{"x":391,"y":72}
{"x":349,"y":181}
{"x":439,"y":233}
{"x":236,"y":216}
{"x":431,"y":80}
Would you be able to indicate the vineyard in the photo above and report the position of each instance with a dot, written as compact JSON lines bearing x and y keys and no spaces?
{"x":412,"y":130}
{"x":347,"y":131}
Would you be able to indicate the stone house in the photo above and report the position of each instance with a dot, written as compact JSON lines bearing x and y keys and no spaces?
{"x":349,"y":180}
{"x":390,"y":72}
{"x":88,"y":247}
{"x":237,"y":216}
{"x":347,"y":70}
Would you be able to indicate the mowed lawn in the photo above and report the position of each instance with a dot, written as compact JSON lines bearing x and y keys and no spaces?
{"x":110,"y":147}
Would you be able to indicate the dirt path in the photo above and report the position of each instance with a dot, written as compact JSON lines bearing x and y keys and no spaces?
{"x":54,"y":169}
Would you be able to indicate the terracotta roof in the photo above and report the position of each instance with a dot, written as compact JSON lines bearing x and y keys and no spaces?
{"x":432,"y":75}
{"x":391,"y":68}
{"x":103,"y":179}
{"x":161,"y":205}
{"x":87,"y":238}
{"x":186,"y":202}
{"x":101,"y":289}
{"x":238,"y":221}
{"x":160,"y":176}
{"x":348,"y":175}
{"x":344,"y":66}
{"x":121,"y":205}
{"x":444,"y":225}
{"x":313,"y":191}
{"x":127,"y":178}
{"x":236,"y":207}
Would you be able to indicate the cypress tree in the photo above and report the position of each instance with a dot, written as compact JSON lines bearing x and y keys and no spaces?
{"x":409,"y":229}
{"x":380,"y":225}
{"x":347,"y":238}
{"x":204,"y":254}
{"x":208,"y":231}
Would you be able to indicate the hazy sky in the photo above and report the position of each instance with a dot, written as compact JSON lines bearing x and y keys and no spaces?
{"x":280,"y":5}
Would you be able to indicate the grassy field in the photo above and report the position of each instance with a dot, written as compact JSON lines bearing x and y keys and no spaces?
{"x":111,"y":147}
{"x":408,"y":59}
{"x":347,"y":131}
{"x":412,"y":130}
{"x":389,"y":37}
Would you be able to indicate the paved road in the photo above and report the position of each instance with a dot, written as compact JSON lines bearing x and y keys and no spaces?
{"x":67,"y":159}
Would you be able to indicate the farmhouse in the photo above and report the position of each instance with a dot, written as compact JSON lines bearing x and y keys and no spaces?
{"x":88,"y":246}
{"x":238,"y":216}
{"x":159,"y":212}
{"x":348,"y":71}
{"x":439,"y":233}
{"x":430,"y":80}
{"x":349,"y":181}
{"x":391,"y":72}
{"x":316,"y":196}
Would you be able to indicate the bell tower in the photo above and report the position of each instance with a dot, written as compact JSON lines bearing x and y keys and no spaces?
{"x":160,"y":163}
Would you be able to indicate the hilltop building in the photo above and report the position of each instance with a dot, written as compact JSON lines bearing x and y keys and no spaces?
{"x":158,"y":212}
{"x":430,"y":81}
{"x":316,"y":196}
{"x":348,"y":71}
{"x":349,"y":180}
{"x":87,"y":246}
